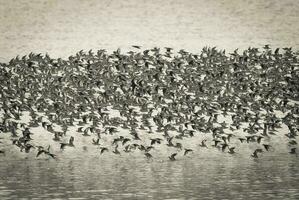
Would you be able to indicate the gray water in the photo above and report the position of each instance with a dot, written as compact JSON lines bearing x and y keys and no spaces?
{"x":201,"y":176}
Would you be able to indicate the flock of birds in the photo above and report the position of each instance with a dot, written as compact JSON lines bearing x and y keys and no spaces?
{"x":160,"y":98}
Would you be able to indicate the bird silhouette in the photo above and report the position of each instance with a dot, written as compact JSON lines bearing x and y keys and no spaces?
{"x":255,"y":153}
{"x":103,"y":149}
{"x":148,"y":155}
{"x":187,"y":151}
{"x":293,"y":151}
{"x":172,"y":157}
{"x":267,"y":147}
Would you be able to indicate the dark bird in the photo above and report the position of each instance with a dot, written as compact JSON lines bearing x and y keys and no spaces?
{"x":127,"y":149}
{"x":267,"y":146}
{"x":169,"y":140}
{"x":178,"y":145}
{"x":187,"y":151}
{"x":28,"y":147}
{"x":96,"y":142}
{"x":63,"y":145}
{"x":293,"y":151}
{"x":116,"y":151}
{"x":224,"y":146}
{"x":168,"y":49}
{"x":255,"y":153}
{"x":216,"y":142}
{"x":125,"y":141}
{"x":40,"y":151}
{"x":136,"y":47}
{"x":292,"y":142}
{"x":172,"y":157}
{"x":71,"y":141}
{"x":56,"y":137}
{"x":148,"y":155}
{"x":155,"y":140}
{"x":203,"y":144}
{"x":259,"y":139}
{"x":50,"y":154}
{"x":242,"y":140}
{"x":103,"y":149}
{"x":231,"y":150}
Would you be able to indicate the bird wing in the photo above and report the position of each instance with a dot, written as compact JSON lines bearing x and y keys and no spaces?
{"x":39,"y":153}
{"x":173,"y":155}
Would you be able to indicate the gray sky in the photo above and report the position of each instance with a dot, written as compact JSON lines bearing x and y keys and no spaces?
{"x":62,"y":28}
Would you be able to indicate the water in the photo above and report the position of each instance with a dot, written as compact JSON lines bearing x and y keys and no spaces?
{"x":202,"y":176}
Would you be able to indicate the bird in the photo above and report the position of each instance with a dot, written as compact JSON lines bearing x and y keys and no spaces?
{"x":136,"y":47}
{"x":125,"y":140}
{"x":168,"y":49}
{"x":56,"y":136}
{"x":103,"y":149}
{"x":28,"y":147}
{"x":96,"y":142}
{"x":50,"y":154}
{"x":148,"y":155}
{"x":255,"y":153}
{"x":155,"y":140}
{"x":203,"y":144}
{"x":63,"y":145}
{"x":187,"y":151}
{"x":259,"y":139}
{"x":293,"y":151}
{"x":127,"y":149}
{"x":116,"y":151}
{"x":292,"y":142}
{"x":267,"y":146}
{"x":41,"y":150}
{"x":231,"y":150}
{"x":70,"y":143}
{"x":224,"y":146}
{"x":178,"y":145}
{"x":216,"y":142}
{"x":242,"y":139}
{"x":172,"y":157}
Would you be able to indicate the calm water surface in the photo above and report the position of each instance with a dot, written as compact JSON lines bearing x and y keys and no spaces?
{"x":197,"y":177}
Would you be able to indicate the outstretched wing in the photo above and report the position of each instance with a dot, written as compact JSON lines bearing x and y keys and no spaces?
{"x":173,"y":155}
{"x":39,"y":153}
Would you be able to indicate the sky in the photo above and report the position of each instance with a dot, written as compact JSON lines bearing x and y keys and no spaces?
{"x":62,"y":28}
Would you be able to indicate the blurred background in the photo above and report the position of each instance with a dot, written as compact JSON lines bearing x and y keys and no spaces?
{"x":61,"y":28}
